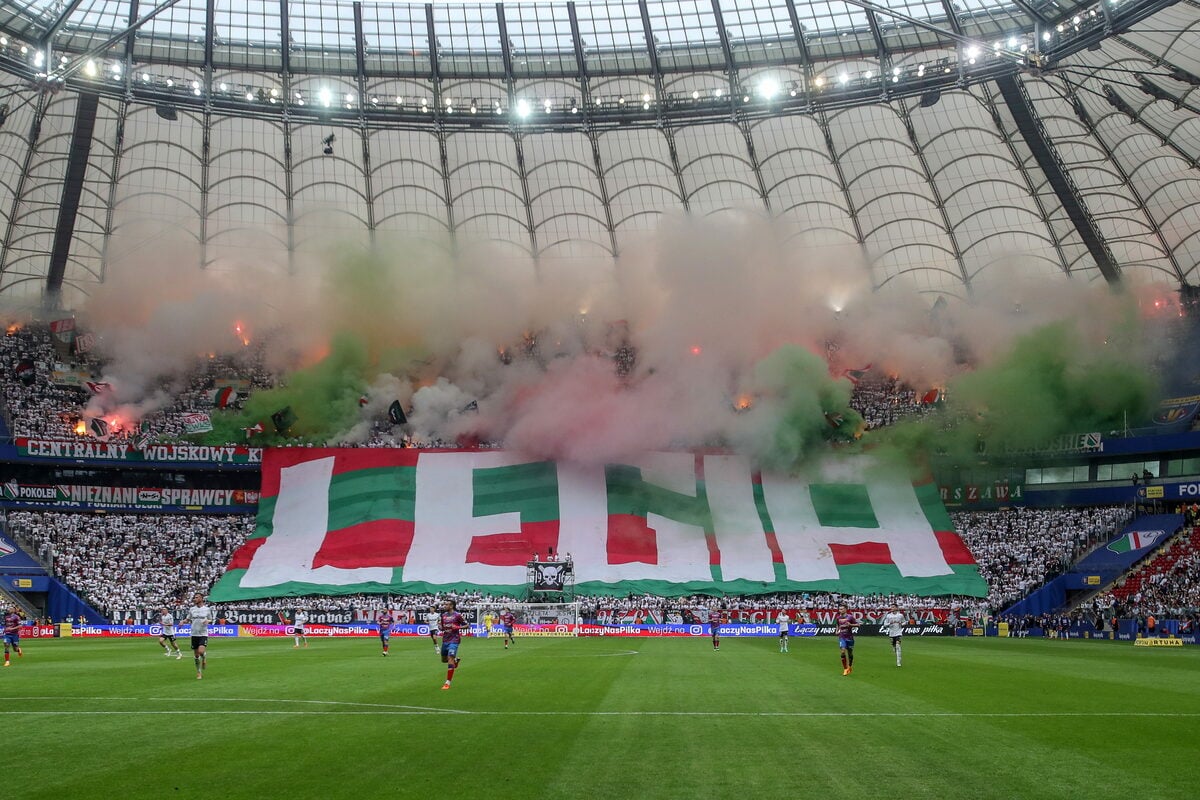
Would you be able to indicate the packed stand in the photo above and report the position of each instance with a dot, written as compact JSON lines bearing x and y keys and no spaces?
{"x":887,"y":400}
{"x":49,"y":392}
{"x":124,"y":562}
{"x":1019,"y":549}
{"x":1168,"y":583}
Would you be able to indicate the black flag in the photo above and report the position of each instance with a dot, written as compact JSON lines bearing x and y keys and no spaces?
{"x":396,"y":413}
{"x":99,"y":428}
{"x":283,"y":419}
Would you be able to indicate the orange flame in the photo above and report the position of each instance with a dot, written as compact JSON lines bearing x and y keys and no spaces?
{"x":12,"y":328}
{"x":743,"y":402}
{"x":241,"y":334}
{"x":80,"y":428}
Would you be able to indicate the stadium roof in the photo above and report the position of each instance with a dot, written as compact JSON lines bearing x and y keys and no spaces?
{"x":952,"y":142}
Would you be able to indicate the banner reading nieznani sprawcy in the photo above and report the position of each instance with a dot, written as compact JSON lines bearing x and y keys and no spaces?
{"x":414,"y":521}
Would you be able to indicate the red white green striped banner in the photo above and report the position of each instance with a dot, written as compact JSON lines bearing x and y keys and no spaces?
{"x":413,"y":521}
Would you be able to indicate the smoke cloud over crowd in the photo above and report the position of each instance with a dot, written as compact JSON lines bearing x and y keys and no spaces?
{"x":710,"y":334}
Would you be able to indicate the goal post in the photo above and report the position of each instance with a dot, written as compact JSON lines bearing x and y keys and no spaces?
{"x":532,"y":619}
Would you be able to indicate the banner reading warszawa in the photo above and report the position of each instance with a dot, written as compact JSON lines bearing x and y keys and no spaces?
{"x":414,"y":521}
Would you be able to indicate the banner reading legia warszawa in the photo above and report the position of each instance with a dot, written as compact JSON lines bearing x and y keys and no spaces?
{"x":335,"y":521}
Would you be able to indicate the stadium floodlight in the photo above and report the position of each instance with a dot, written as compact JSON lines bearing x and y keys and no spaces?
{"x":972,"y":52}
{"x":820,"y":81}
{"x":89,"y":68}
{"x":868,"y":75}
{"x":250,"y":96}
{"x":1012,"y":42}
{"x":1078,"y":19}
{"x":3,"y":41}
{"x":920,"y":70}
{"x":325,"y":96}
{"x":695,"y":94}
{"x":24,"y":50}
{"x":716,"y":93}
{"x":843,"y":79}
{"x":768,"y":88}
{"x":170,"y":83}
{"x":224,"y":87}
{"x":116,"y":68}
{"x":195,"y":84}
{"x":1045,"y":36}
{"x":523,"y":108}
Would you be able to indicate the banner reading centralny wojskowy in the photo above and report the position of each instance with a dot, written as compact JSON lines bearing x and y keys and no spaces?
{"x":413,"y":521}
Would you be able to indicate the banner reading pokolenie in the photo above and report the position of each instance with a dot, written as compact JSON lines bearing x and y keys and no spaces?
{"x":413,"y":521}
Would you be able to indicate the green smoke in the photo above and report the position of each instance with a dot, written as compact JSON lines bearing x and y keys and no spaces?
{"x":1049,"y":384}
{"x":802,"y":407}
{"x":323,"y":397}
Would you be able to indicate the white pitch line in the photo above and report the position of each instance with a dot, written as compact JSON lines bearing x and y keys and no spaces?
{"x":418,"y":711}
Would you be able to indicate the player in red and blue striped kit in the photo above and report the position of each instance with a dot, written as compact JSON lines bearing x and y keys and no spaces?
{"x":715,"y":618}
{"x":385,"y":621}
{"x":12,"y":633}
{"x":451,"y":625}
{"x":507,"y":621}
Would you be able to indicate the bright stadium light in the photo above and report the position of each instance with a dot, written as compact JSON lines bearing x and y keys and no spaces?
{"x":820,"y":81}
{"x":1012,"y":42}
{"x":972,"y":52}
{"x":843,"y":79}
{"x":868,"y":75}
{"x":768,"y":88}
{"x":523,"y":108}
{"x":89,"y":68}
{"x":325,"y":96}
{"x":224,"y":87}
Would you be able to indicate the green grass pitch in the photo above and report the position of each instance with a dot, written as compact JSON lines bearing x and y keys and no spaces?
{"x":602,"y":718}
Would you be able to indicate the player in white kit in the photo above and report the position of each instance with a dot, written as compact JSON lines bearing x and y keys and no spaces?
{"x":893,"y":626}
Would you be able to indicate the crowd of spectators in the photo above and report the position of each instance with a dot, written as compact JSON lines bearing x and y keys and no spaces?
{"x":887,"y":400}
{"x":129,"y":565}
{"x":1167,"y":584}
{"x":119,"y":563}
{"x":48,"y":394}
{"x":1019,"y":549}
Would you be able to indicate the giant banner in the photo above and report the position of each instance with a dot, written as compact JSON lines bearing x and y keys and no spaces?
{"x":413,"y":521}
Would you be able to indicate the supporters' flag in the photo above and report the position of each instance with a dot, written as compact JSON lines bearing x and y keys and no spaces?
{"x":1135,"y":540}
{"x":98,"y":388}
{"x":197,"y":422}
{"x":931,"y":397}
{"x":99,"y":428}
{"x":673,"y":524}
{"x":85,"y":342}
{"x":222,"y":397}
{"x":283,"y":419}
{"x":26,"y":371}
{"x":254,"y":430}
{"x":396,"y":413}
{"x":834,"y":419}
{"x":856,"y":375}
{"x":471,"y":406}
{"x":142,"y":440}
{"x":363,"y":400}
{"x":62,"y":333}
